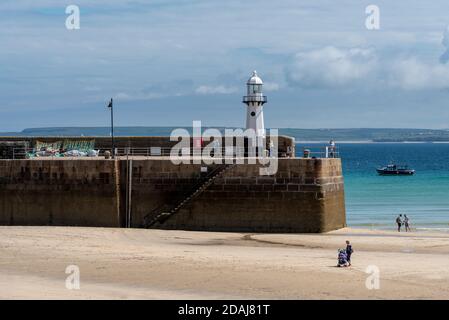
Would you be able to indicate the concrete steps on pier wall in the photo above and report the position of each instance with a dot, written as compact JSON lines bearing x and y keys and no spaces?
{"x":161,"y":217}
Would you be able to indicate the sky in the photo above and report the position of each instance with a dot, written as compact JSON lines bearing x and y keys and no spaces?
{"x":167,"y":63}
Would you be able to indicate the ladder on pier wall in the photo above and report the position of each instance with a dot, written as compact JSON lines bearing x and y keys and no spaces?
{"x":117,"y":189}
{"x":197,"y":190}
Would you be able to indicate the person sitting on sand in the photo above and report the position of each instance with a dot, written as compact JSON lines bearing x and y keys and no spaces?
{"x":342,"y":258}
{"x":399,"y":222}
{"x":349,"y":251}
{"x":406,"y":223}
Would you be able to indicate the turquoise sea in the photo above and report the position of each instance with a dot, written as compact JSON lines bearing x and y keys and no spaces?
{"x":374,"y":201}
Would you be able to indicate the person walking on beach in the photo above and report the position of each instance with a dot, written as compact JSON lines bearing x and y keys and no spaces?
{"x":399,"y":222}
{"x":349,"y":251}
{"x":406,"y":223}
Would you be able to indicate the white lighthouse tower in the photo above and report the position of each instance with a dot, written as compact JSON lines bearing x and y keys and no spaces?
{"x":255,"y":100}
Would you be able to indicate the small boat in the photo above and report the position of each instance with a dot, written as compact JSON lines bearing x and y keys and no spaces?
{"x":396,"y":170}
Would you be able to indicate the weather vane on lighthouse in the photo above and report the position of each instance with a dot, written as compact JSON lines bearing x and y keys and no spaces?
{"x":255,"y":100}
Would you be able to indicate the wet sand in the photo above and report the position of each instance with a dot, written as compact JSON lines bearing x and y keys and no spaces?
{"x":158,"y":264}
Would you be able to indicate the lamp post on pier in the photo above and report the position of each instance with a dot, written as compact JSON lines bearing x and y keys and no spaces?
{"x":111,"y":106}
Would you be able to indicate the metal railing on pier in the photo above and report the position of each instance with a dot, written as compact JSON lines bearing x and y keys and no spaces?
{"x":320,"y":152}
{"x":225,"y":152}
{"x":158,"y":151}
{"x":19,"y":153}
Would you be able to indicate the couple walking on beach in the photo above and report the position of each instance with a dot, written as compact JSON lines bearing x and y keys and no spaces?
{"x":403,"y":222}
{"x":344,"y":255}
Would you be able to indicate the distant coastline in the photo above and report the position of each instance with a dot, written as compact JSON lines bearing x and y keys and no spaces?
{"x":350,"y":135}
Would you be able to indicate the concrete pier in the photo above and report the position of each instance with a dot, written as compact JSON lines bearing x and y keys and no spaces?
{"x":305,"y":195}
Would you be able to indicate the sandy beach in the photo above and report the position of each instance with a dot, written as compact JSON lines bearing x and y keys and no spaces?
{"x":157,"y":264}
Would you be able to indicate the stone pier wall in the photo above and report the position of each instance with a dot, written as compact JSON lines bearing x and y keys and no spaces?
{"x":305,"y":195}
{"x":58,"y":192}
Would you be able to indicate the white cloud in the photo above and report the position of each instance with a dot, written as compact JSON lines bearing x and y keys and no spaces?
{"x":122,"y":96}
{"x":271,"y":86}
{"x":412,"y":74}
{"x":331,"y":67}
{"x":137,"y":96}
{"x":445,"y":56}
{"x":216,"y":90}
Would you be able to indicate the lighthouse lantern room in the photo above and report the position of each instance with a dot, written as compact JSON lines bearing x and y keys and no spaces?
{"x":255,"y":100}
